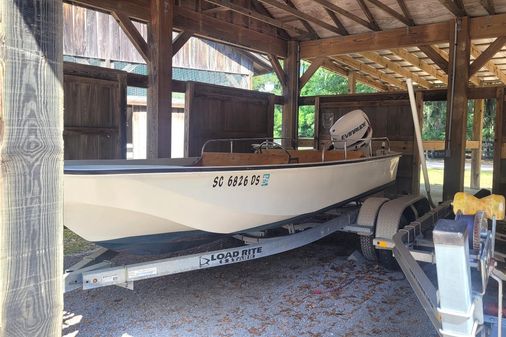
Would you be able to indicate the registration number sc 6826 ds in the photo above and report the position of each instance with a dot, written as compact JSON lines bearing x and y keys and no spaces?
{"x":241,"y":180}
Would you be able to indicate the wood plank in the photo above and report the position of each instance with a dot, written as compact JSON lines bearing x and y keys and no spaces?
{"x":392,"y":12}
{"x":315,"y":65}
{"x":257,"y":16}
{"x":352,"y":82}
{"x":485,"y":27}
{"x":486,"y":55}
{"x":302,"y":15}
{"x":388,"y":64}
{"x":160,"y":85}
{"x":457,"y":112}
{"x":490,"y":65}
{"x":479,"y":108}
{"x":31,"y":192}
{"x":497,"y":179}
{"x":435,"y":56}
{"x":439,"y":145}
{"x":489,"y":6}
{"x":372,"y":71}
{"x":278,"y":69}
{"x":307,"y":25}
{"x":337,"y":22}
{"x":331,"y":6}
{"x":179,"y":41}
{"x":422,"y":65}
{"x":371,"y":41}
{"x":405,"y":11}
{"x":289,"y":122}
{"x":132,"y":33}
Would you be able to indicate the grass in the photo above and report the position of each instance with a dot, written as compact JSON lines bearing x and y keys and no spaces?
{"x":74,"y":244}
{"x":436,"y":178}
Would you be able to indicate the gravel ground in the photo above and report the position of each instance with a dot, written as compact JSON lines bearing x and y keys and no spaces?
{"x":311,"y":291}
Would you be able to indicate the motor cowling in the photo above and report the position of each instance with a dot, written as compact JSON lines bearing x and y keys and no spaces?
{"x":352,"y":131}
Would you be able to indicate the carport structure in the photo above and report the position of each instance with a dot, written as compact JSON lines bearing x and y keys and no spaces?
{"x":451,"y":49}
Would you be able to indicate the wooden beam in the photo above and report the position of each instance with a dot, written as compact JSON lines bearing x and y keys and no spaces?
{"x":479,"y":107}
{"x":389,"y":64}
{"x":372,"y":71}
{"x":337,"y":22}
{"x":160,"y":79}
{"x":315,"y":65}
{"x":435,"y":56}
{"x":278,"y":70}
{"x":422,"y":65}
{"x":487,"y":54}
{"x":484,"y":27}
{"x":392,"y":12}
{"x":489,"y":65}
{"x":404,"y":9}
{"x":489,"y":6}
{"x":352,"y":82}
{"x":458,"y":78}
{"x":301,"y":15}
{"x":329,"y":5}
{"x":31,"y":189}
{"x":369,"y":15}
{"x":180,"y":41}
{"x":132,"y":33}
{"x":453,"y":8}
{"x":330,"y":65}
{"x":199,"y":24}
{"x":372,"y":41}
{"x":257,"y":16}
{"x":290,"y":116}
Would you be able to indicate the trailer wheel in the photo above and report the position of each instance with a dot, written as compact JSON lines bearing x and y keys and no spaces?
{"x":367,"y":247}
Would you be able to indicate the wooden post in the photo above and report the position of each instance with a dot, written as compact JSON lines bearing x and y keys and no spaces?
{"x":291,"y":95}
{"x":160,"y":79}
{"x":479,"y":107}
{"x":458,"y":77}
{"x":352,"y":82}
{"x":497,"y":182}
{"x":31,"y":170}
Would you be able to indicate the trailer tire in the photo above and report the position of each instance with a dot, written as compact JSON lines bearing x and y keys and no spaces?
{"x":387,"y":260}
{"x":367,"y":247}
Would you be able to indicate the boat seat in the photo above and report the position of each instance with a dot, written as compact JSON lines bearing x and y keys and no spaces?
{"x":272,"y":157}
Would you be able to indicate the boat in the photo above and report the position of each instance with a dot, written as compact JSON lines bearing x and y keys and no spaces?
{"x":166,"y":205}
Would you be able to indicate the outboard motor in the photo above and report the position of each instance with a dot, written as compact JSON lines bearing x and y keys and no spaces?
{"x":352,"y":131}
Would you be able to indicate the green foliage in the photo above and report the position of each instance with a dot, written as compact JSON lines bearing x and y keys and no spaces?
{"x":323,"y":82}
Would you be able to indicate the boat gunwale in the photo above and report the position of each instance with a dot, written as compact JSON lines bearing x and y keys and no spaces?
{"x":189,"y":169}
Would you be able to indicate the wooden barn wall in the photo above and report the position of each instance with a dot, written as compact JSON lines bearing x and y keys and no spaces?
{"x":88,"y":33}
{"x":95,"y":113}
{"x":499,"y":178}
{"x":389,"y":117}
{"x":215,"y":112}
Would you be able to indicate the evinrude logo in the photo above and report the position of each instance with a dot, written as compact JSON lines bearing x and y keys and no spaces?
{"x":354,"y":131}
{"x":227,"y":257}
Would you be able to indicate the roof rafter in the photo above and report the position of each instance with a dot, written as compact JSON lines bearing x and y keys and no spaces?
{"x":368,"y":13}
{"x":347,"y":14}
{"x":301,"y":15}
{"x":337,"y":22}
{"x":392,"y":12}
{"x":489,"y":65}
{"x":489,"y":6}
{"x":278,"y":69}
{"x":132,"y":33}
{"x":315,"y":65}
{"x":436,"y":56}
{"x":392,"y":65}
{"x":405,"y":11}
{"x":422,"y":65}
{"x":331,"y":65}
{"x":306,"y":24}
{"x":487,"y":54}
{"x":374,"y":72}
{"x":257,"y":16}
{"x":179,"y":41}
{"x":453,"y":8}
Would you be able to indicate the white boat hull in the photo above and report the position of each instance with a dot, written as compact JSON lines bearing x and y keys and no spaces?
{"x":113,"y":205}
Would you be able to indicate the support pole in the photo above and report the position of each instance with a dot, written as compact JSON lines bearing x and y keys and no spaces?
{"x":479,"y":107}
{"x":458,"y":78}
{"x":160,"y":79}
{"x":352,"y":82}
{"x":291,"y":96}
{"x":31,"y":169}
